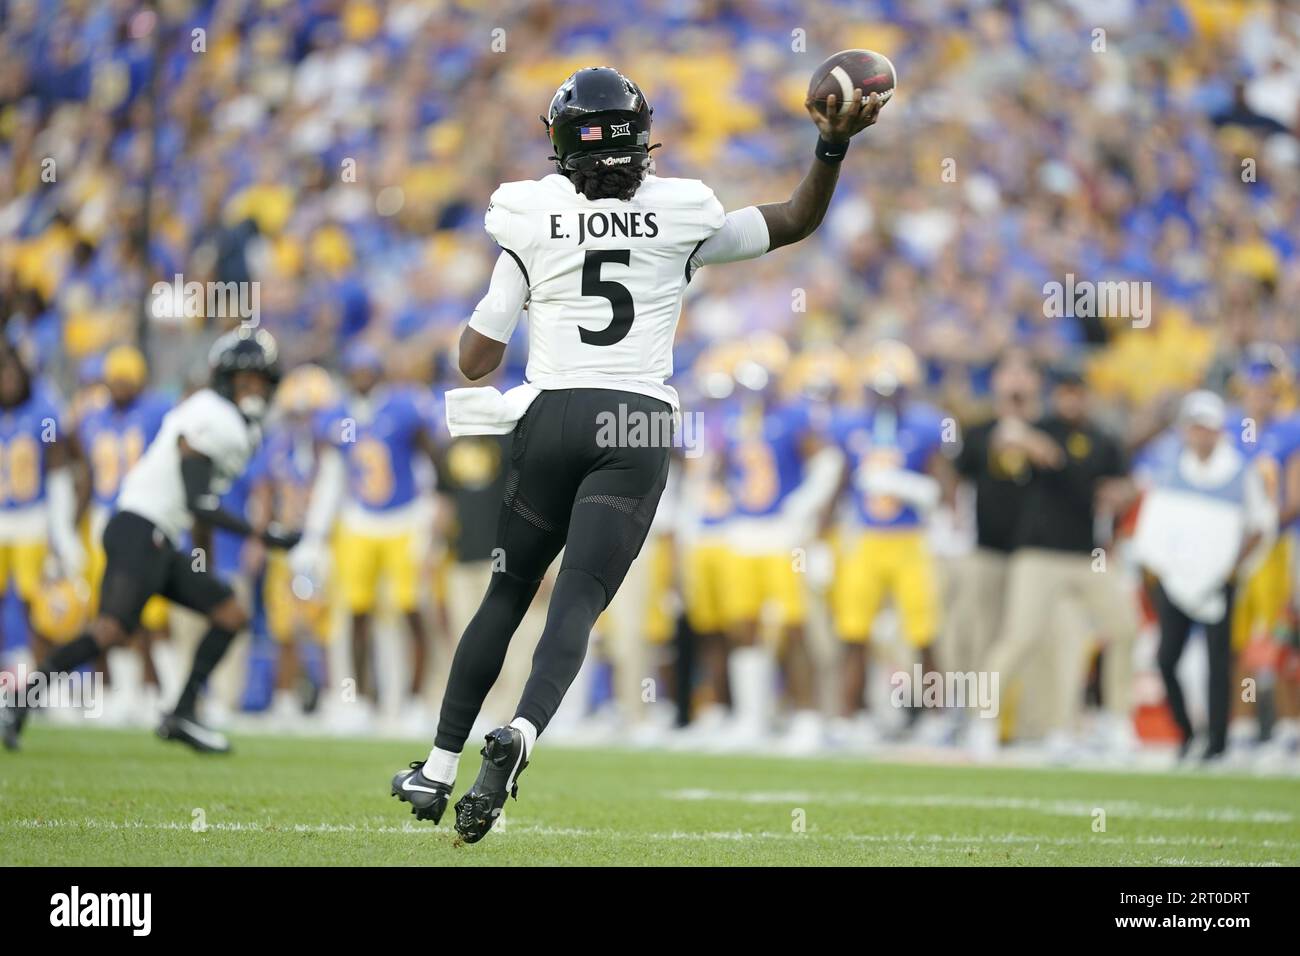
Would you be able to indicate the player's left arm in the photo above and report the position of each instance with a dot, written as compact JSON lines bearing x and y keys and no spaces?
{"x":197,"y":473}
{"x":750,"y":232}
{"x":802,"y":213}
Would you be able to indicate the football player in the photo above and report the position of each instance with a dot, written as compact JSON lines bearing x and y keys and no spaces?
{"x":113,"y":435}
{"x":369,"y":457}
{"x":706,"y":551}
{"x":298,"y":614}
{"x":602,"y":250}
{"x":203,"y":444}
{"x":1271,"y":440}
{"x":895,"y":476}
{"x":768,"y":443}
{"x":37,"y":487}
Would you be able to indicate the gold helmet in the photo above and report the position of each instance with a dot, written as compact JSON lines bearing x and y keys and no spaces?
{"x":761,"y":359}
{"x":713,"y":369}
{"x":822,"y":371}
{"x":307,"y":389}
{"x":126,"y":364}
{"x":889,"y":367}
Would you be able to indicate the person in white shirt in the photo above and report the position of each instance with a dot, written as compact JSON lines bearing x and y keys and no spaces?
{"x":601,"y":251}
{"x":203,"y":444}
{"x":1205,"y":511}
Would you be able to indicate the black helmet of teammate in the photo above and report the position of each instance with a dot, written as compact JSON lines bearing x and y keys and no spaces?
{"x":243,"y":350}
{"x":599,"y":117}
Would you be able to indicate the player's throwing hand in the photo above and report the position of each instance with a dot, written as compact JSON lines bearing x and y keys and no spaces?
{"x":836,"y":126}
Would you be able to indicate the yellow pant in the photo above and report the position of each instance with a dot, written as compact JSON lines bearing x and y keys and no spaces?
{"x":287,"y":614}
{"x":363,"y":560}
{"x":22,"y":563}
{"x":753,"y":580}
{"x":704,"y":586}
{"x":882,"y":565}
{"x":1261,"y":602}
{"x":659,"y":624}
{"x":154,"y":615}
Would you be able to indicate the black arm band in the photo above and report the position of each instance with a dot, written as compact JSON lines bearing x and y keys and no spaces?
{"x":832,"y":153}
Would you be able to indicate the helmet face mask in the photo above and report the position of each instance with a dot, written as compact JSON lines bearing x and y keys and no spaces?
{"x":599,"y":117}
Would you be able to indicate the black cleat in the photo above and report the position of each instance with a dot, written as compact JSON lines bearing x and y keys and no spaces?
{"x":428,"y":798}
{"x":504,"y":760}
{"x":189,"y":731}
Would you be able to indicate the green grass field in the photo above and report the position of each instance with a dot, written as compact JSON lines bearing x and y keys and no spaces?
{"x":121,"y":797}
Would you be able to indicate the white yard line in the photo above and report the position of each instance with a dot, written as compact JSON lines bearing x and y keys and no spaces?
{"x":912,"y":839}
{"x":1064,"y":808}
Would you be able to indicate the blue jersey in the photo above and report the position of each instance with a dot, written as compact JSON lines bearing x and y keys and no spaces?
{"x":377,"y":437}
{"x":289,"y":464}
{"x":764,"y":456}
{"x":227,"y":544}
{"x":1278,"y":442}
{"x":114,"y":438}
{"x":26,"y":432}
{"x":880,"y":438}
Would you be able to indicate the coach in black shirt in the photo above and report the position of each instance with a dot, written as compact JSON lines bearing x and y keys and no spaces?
{"x":1073,"y":463}
{"x":1059,"y":512}
{"x":1000,"y":478}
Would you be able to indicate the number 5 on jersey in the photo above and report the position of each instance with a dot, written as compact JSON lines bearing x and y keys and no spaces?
{"x":620,"y":299}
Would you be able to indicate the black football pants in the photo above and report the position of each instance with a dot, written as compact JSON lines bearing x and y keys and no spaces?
{"x":578,"y":481}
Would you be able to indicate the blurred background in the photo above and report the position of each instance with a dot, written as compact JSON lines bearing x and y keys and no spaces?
{"x":336,"y":156}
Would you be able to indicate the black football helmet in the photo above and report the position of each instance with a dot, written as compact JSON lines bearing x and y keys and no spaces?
{"x":244,"y":350}
{"x":599,"y":116}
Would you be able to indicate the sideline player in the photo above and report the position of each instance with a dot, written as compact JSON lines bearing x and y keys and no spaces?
{"x":37,"y":487}
{"x":367,"y":475}
{"x":113,"y":435}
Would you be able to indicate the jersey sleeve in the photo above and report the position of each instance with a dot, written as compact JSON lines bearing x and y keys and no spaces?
{"x":419,"y":413}
{"x":742,"y":235}
{"x":929,"y":431}
{"x":258,"y":466}
{"x":216,"y":436}
{"x":326,"y":428}
{"x":497,"y":313}
{"x":504,"y":219}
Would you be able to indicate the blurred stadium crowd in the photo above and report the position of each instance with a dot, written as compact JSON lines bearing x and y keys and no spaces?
{"x":340,"y":153}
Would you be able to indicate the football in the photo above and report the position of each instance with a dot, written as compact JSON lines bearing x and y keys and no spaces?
{"x":850,"y":70}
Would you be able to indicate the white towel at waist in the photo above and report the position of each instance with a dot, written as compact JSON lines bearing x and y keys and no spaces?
{"x":486,"y":411}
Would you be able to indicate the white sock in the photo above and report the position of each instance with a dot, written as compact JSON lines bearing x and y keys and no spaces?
{"x":526,"y":728}
{"x":753,"y":673}
{"x":441,"y":766}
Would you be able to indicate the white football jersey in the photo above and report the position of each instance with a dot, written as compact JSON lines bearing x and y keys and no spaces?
{"x":212,"y":426}
{"x":605,"y":277}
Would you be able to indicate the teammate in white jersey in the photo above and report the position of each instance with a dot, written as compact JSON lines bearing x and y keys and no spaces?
{"x":601,"y":252}
{"x":204,"y":443}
